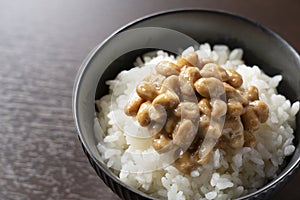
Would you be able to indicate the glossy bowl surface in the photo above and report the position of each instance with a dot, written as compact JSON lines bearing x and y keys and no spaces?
{"x":261,"y":47}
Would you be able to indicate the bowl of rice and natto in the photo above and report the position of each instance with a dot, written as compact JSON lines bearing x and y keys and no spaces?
{"x":191,"y":104}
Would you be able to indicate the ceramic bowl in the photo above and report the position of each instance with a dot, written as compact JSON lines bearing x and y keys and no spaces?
{"x":261,"y":47}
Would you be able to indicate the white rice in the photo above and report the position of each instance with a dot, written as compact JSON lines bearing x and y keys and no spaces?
{"x":228,"y":175}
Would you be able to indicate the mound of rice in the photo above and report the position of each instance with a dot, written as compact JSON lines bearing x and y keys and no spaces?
{"x":228,"y":175}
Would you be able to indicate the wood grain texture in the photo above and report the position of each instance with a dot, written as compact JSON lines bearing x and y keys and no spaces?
{"x":42,"y":44}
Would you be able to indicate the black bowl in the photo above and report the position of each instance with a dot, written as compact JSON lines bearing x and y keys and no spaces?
{"x":261,"y":47}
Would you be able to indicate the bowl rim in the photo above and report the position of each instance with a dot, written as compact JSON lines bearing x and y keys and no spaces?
{"x":85,"y":64}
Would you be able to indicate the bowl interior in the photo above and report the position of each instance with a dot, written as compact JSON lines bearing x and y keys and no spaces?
{"x":261,"y":47}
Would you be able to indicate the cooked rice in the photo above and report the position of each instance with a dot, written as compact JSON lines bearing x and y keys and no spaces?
{"x":229,"y":174}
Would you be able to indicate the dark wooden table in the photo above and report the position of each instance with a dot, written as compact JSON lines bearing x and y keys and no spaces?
{"x":42,"y":44}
